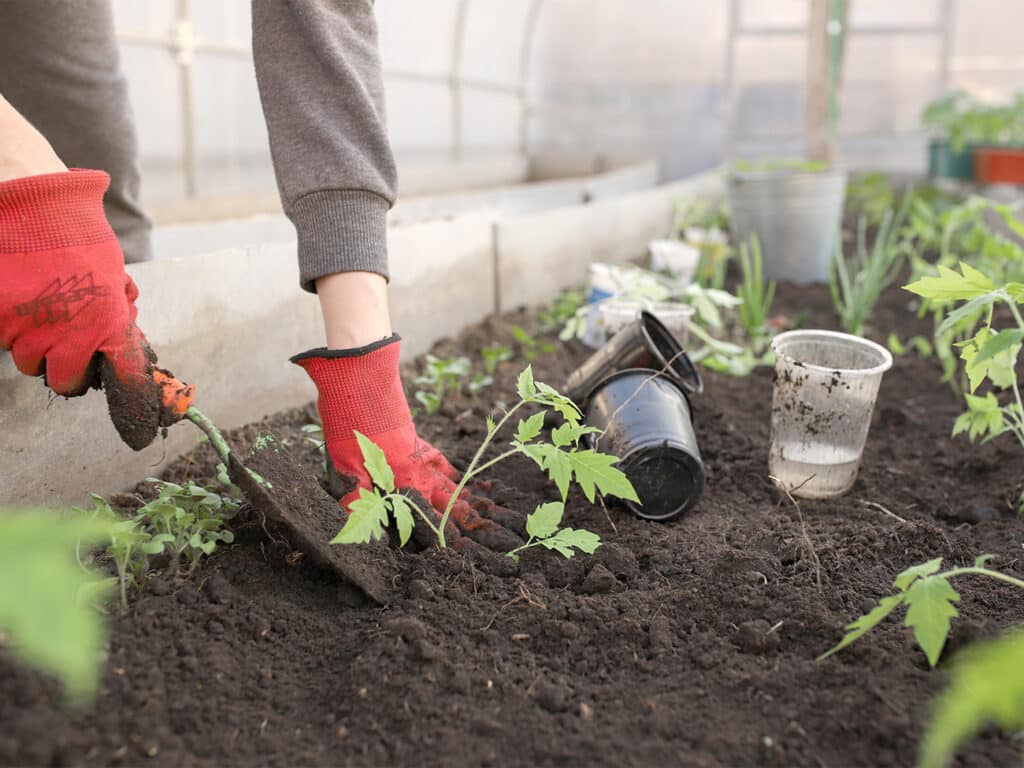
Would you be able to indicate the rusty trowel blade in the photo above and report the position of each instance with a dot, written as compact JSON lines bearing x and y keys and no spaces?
{"x":290,"y":498}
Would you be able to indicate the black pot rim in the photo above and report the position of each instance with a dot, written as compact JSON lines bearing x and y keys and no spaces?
{"x":661,"y":339}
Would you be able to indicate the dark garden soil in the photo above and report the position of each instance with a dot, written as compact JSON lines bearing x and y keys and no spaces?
{"x":691,"y":643}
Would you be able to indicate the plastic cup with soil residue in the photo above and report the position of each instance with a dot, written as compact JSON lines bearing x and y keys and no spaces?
{"x":826,"y":384}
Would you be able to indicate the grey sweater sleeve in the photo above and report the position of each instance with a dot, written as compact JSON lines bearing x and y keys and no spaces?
{"x":320,"y":83}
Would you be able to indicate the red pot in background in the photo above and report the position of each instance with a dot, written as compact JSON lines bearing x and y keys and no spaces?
{"x":999,"y":165}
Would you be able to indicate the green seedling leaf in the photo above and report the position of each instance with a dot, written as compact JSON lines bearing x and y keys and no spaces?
{"x":595,"y":470}
{"x":368,"y":515}
{"x":983,"y":416}
{"x":569,"y":434}
{"x":545,"y":519}
{"x":986,"y":685}
{"x":999,"y":343}
{"x":402,"y":510}
{"x":376,"y":463}
{"x":857,"y":629}
{"x":525,"y":385}
{"x":530,"y":428}
{"x":929,"y":609}
{"x":982,"y":560}
{"x":583,"y":540}
{"x":951,"y":286}
{"x":915,"y":572}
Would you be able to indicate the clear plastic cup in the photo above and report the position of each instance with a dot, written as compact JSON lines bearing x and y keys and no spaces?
{"x":826,"y":384}
{"x":675,"y":257}
{"x":617,"y":314}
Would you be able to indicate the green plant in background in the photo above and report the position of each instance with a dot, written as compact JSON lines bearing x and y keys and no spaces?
{"x":443,"y":377}
{"x":943,"y":119}
{"x":929,"y":599}
{"x":543,"y":527}
{"x":47,"y":616}
{"x":314,"y":435}
{"x":986,"y":685}
{"x":918,"y":344}
{"x":700,"y":213}
{"x":129,"y":545}
{"x":780,"y":164}
{"x":494,"y":354}
{"x":530,"y":345}
{"x":756,"y":295}
{"x":986,"y":235}
{"x":870,"y":196}
{"x":566,"y":305}
{"x":989,"y":354}
{"x":857,"y":283}
{"x":562,"y":459}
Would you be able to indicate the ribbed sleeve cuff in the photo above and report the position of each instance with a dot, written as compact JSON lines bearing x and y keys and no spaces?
{"x":53,"y":210}
{"x":340,"y":230}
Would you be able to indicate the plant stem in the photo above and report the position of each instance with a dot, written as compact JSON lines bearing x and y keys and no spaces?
{"x":494,"y":461}
{"x":220,"y":445}
{"x":974,"y":570}
{"x":419,"y":511}
{"x":531,"y":543}
{"x":471,"y":470}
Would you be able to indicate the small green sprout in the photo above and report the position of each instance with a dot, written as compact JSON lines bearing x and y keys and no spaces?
{"x":929,"y":599}
{"x":756,"y":295}
{"x":494,"y":354}
{"x":442,"y":376}
{"x":542,"y":526}
{"x":530,"y":345}
{"x":314,"y":435}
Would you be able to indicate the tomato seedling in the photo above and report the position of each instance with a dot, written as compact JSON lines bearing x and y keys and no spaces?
{"x":443,"y":377}
{"x":563,"y":459}
{"x":542,"y":527}
{"x":929,"y":599}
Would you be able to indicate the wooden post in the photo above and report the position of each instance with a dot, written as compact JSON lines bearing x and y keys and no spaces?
{"x":825,"y":53}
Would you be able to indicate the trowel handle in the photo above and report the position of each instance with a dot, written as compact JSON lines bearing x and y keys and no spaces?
{"x":175,"y":396}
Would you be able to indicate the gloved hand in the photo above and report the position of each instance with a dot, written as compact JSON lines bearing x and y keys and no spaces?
{"x":67,"y":307}
{"x":361,"y":390}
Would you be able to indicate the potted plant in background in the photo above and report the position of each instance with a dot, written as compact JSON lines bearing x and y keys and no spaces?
{"x":794,"y":208}
{"x":948,"y":122}
{"x":999,"y":155}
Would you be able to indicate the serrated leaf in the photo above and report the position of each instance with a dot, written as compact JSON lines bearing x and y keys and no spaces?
{"x":558,"y":546}
{"x":525,"y":385}
{"x":491,"y":425}
{"x":929,"y":609}
{"x":1000,"y":342}
{"x":582,"y":539}
{"x":953,"y":286}
{"x":402,"y":510}
{"x":366,"y":520}
{"x":376,"y":463}
{"x":969,"y":311}
{"x":915,"y":572}
{"x":860,"y":627}
{"x":569,"y":434}
{"x":545,"y":519}
{"x":529,"y":428}
{"x":595,"y":470}
{"x":986,"y":685}
{"x":559,"y":468}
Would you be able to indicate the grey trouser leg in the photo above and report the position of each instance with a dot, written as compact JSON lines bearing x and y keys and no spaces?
{"x":60,"y":68}
{"x":320,"y":82}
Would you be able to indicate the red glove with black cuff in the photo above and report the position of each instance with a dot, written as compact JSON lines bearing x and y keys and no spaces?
{"x":361,"y":390}
{"x":67,"y":306}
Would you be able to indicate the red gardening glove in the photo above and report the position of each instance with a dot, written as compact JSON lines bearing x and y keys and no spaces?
{"x":67,"y":307}
{"x":361,"y":390}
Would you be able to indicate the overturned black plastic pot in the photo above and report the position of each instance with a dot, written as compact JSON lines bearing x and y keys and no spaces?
{"x":646,"y":420}
{"x":645,"y":343}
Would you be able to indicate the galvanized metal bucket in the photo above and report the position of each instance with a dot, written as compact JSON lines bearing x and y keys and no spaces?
{"x":796,"y":216}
